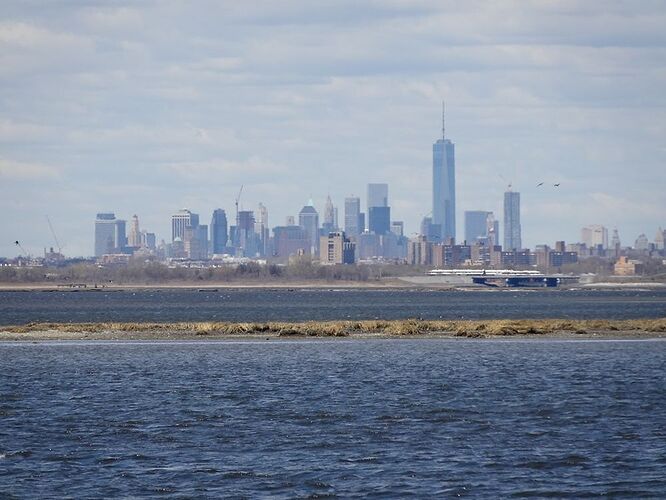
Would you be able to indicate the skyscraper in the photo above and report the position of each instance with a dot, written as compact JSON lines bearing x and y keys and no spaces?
{"x":134,"y":237}
{"x":219,"y":231}
{"x":377,"y":195}
{"x":379,"y":212}
{"x":247,"y":239}
{"x":353,"y":216}
{"x":329,"y":213}
{"x":109,"y":234}
{"x":308,"y":219}
{"x":180,"y":220}
{"x":595,"y":236}
{"x":476,"y":225}
{"x":512,"y":237}
{"x":444,"y":185}
{"x":105,"y":233}
{"x":262,"y":229}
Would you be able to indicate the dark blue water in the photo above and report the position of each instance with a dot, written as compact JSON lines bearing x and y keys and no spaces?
{"x":306,"y":305}
{"x":383,"y":418}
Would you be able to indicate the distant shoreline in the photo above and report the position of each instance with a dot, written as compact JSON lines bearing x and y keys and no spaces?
{"x":369,"y":329}
{"x":393,"y":284}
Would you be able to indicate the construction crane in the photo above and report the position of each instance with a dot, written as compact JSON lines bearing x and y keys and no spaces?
{"x":240,"y":191}
{"x":236,"y":235}
{"x":54,"y":235}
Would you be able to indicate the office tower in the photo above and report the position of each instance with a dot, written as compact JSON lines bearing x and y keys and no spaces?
{"x":444,"y":185}
{"x":512,"y":237}
{"x":247,"y":241}
{"x":288,"y":241}
{"x":353,"y":226}
{"x":336,"y":249}
{"x":180,"y":220}
{"x":379,"y":220}
{"x":308,"y":219}
{"x":398,"y":228}
{"x":615,"y":242}
{"x":476,"y":225}
{"x":134,"y":236}
{"x":196,"y":242}
{"x":659,"y":239}
{"x":105,"y":228}
{"x":219,"y":231}
{"x":110,"y":235}
{"x":120,"y":236}
{"x":290,"y":220}
{"x":377,"y":195}
{"x":329,"y":214}
{"x":595,"y":236}
{"x":379,"y":213}
{"x":431,"y":232}
{"x":148,"y":240}
{"x":262,"y":229}
{"x":642,"y":243}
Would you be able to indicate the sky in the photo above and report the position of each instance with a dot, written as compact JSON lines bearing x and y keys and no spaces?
{"x":149,"y":107}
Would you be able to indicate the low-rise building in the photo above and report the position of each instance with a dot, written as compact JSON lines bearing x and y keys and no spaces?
{"x":628,"y":267}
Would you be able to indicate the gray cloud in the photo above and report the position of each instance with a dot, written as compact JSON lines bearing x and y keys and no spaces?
{"x":146,"y":108}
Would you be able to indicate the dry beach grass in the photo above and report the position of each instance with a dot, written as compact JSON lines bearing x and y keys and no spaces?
{"x":368,"y":328}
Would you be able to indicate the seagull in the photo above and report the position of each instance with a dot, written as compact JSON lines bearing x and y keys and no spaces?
{"x":540,"y":184}
{"x":557,"y":185}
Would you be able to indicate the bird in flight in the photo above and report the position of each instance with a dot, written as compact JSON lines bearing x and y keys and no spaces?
{"x":540,"y":184}
{"x":557,"y":185}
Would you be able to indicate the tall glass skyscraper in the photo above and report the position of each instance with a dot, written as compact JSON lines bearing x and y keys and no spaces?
{"x":512,"y":240}
{"x":353,"y":216}
{"x":219,"y":231}
{"x":476,"y":225}
{"x":444,"y":185}
{"x":308,"y":219}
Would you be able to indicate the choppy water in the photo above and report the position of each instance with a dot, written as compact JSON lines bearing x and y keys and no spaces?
{"x":304,"y":305}
{"x":388,"y":418}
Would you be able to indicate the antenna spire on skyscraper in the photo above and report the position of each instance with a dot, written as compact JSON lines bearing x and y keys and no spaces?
{"x":443,"y":122}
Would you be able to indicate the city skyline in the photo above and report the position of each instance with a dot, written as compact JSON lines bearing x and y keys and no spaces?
{"x":102,"y":112}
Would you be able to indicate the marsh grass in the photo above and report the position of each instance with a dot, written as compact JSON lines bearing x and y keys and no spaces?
{"x":408,"y":327}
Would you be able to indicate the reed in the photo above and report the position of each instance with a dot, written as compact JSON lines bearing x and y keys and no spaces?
{"x":408,"y":327}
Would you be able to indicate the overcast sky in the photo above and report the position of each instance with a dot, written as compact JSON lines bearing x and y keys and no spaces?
{"x":149,"y":107}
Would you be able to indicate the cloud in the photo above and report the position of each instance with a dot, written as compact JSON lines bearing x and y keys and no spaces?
{"x":152,"y":105}
{"x":11,"y":170}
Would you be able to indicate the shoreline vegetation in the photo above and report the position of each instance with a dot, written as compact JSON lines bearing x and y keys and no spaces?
{"x":336,"y":329}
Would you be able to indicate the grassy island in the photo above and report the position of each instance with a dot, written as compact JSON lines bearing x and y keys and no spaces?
{"x":353,"y":329}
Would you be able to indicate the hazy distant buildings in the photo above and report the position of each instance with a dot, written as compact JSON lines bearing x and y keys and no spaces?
{"x":595,"y":236}
{"x":512,"y":236}
{"x":219,"y":231}
{"x":308,"y":219}
{"x":444,"y":186}
{"x":377,"y":195}
{"x":353,"y":223}
{"x":109,"y":234}
{"x":398,"y":228}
